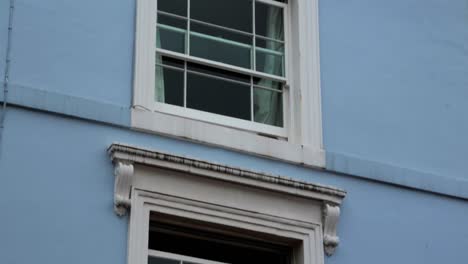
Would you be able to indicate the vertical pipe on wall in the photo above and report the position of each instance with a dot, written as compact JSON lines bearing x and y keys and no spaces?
{"x":7,"y":69}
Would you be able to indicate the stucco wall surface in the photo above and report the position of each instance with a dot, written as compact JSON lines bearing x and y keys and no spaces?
{"x":80,"y":48}
{"x":395,"y":82}
{"x":394,"y":78}
{"x":56,"y":200}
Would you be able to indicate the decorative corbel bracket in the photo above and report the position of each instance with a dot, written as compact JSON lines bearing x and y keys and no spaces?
{"x":122,"y":186}
{"x":331,"y":214}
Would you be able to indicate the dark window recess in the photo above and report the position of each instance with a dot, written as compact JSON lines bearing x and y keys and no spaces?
{"x":235,"y":14}
{"x":177,"y":7}
{"x":215,"y":246}
{"x":219,"y":96}
{"x":174,"y":80}
{"x":218,"y":72}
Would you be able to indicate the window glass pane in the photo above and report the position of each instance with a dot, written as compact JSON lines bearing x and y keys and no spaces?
{"x":268,"y":107}
{"x":218,"y":96}
{"x":172,"y":21}
{"x":178,"y":7}
{"x":269,"y":21}
{"x":171,"y":33}
{"x":221,"y":48}
{"x":218,"y":72}
{"x":220,"y":33}
{"x":170,"y":38}
{"x":214,"y":246}
{"x":236,"y":14}
{"x":158,"y":260}
{"x":169,"y":86}
{"x":262,"y":82}
{"x":269,"y":56}
{"x":169,"y":61}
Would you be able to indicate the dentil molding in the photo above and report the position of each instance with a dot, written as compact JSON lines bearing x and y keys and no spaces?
{"x":124,"y":157}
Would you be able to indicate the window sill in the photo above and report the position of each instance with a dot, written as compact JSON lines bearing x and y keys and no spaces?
{"x":217,"y":135}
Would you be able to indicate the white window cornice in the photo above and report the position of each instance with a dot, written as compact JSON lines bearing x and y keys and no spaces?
{"x":157,"y":172}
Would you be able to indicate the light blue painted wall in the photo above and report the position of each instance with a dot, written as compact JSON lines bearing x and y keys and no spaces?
{"x":81,"y":48}
{"x":394,"y":86}
{"x":394,"y":78}
{"x":395,"y":82}
{"x":4,"y":4}
{"x":58,"y":208}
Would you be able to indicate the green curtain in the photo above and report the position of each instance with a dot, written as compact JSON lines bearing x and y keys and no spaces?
{"x":267,"y":104}
{"x":160,"y":97}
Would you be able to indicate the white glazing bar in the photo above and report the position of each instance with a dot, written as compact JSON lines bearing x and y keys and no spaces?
{"x":252,"y":117}
{"x":169,"y":67}
{"x":171,"y":15}
{"x":268,"y":88}
{"x":254,"y":43}
{"x":171,"y":28}
{"x":221,"y":40}
{"x":220,"y":65}
{"x":185,"y":84}
{"x":187,"y":52}
{"x":217,"y":77}
{"x":270,"y":39}
{"x":221,"y":27}
{"x":271,"y":52}
{"x":188,"y":28}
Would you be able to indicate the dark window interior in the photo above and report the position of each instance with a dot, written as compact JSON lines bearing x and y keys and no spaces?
{"x":215,"y":246}
{"x":236,"y":14}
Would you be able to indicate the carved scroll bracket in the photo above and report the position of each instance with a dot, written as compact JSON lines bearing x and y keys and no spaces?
{"x":123,"y":172}
{"x":331,"y":214}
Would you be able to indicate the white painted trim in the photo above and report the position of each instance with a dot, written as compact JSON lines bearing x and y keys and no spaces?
{"x":234,"y":139}
{"x":216,"y":119}
{"x":220,"y":65}
{"x":331,"y":214}
{"x":306,"y":236}
{"x":200,"y":190}
{"x":123,"y":181}
{"x":145,"y":41}
{"x":127,"y":154}
{"x":301,"y":138}
{"x":311,"y":117}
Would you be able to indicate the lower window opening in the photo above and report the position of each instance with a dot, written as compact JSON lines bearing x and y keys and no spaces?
{"x":171,"y":243}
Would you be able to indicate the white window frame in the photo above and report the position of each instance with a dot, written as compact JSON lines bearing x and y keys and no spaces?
{"x":150,"y":181}
{"x":299,"y":141}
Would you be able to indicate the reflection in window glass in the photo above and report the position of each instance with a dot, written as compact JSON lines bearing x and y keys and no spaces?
{"x":269,"y":62}
{"x":169,"y":86}
{"x":218,"y":96}
{"x":235,"y":14}
{"x":219,"y":49}
{"x":269,"y":21}
{"x":170,"y":38}
{"x":267,"y":83}
{"x":268,"y":107}
{"x":158,"y":260}
{"x":216,"y":72}
{"x":177,"y":7}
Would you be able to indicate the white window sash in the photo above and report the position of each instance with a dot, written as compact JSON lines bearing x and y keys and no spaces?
{"x":219,"y":119}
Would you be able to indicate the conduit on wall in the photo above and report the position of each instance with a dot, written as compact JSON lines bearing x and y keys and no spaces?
{"x":7,"y":69}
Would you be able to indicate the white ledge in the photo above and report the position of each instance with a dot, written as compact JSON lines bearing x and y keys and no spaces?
{"x":132,"y":154}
